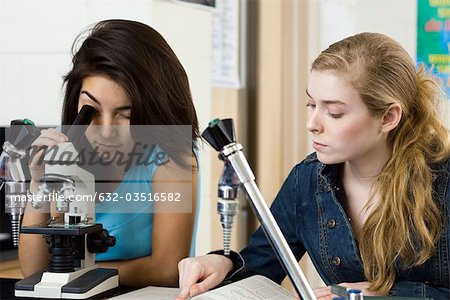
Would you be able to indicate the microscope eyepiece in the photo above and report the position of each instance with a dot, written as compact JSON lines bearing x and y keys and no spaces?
{"x":23,"y":133}
{"x":77,"y":130}
{"x":220,"y":133}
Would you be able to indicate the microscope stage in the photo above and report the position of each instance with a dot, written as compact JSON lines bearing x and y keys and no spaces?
{"x":62,"y":229}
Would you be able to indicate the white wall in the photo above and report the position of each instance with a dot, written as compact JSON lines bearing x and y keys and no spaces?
{"x":35,"y":43}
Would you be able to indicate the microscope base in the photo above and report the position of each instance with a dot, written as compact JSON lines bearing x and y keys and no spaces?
{"x":81,"y":284}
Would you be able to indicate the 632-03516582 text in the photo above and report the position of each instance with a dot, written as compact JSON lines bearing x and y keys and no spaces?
{"x":136,"y":197}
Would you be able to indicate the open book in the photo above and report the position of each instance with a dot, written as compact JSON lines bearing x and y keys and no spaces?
{"x":253,"y":288}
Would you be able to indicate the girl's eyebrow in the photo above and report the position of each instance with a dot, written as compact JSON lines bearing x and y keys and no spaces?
{"x":327,"y":101}
{"x":124,"y":107}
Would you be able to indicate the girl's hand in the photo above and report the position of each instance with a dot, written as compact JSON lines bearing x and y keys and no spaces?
{"x":48,"y":138}
{"x":210,"y":270}
{"x":324,"y":293}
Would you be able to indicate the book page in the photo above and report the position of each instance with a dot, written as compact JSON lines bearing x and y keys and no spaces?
{"x":253,"y":288}
{"x":150,"y":292}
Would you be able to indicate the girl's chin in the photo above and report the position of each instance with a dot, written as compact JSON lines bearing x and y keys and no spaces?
{"x":108,"y":155}
{"x":328,"y":159}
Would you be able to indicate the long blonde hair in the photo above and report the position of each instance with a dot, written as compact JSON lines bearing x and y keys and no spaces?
{"x":406,"y":224}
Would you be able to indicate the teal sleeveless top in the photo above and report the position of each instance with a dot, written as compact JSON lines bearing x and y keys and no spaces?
{"x":132,"y":225}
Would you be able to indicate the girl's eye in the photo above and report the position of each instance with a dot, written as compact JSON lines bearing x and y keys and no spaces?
{"x":309,"y":104}
{"x":122,"y":116}
{"x":335,"y":116}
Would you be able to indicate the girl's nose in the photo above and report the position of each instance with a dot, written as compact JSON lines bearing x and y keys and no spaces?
{"x":313,"y":124}
{"x":107,"y":127}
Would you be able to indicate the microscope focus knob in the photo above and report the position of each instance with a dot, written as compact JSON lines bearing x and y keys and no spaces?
{"x":100,"y":241}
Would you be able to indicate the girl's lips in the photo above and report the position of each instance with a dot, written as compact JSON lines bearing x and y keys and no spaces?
{"x":108,"y":146}
{"x":318,"y":146}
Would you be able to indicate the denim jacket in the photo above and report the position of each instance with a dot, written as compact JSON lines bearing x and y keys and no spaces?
{"x":309,"y":212}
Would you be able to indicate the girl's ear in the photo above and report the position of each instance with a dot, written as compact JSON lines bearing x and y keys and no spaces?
{"x":391,"y":118}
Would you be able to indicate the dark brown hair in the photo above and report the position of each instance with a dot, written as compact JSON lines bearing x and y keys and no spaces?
{"x":139,"y":59}
{"x":136,"y":57}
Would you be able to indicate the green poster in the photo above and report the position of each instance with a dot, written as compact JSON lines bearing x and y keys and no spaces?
{"x":433,"y":37}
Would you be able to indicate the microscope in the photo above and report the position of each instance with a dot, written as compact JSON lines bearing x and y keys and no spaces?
{"x":73,"y":241}
{"x":237,"y":173}
{"x":22,"y":134}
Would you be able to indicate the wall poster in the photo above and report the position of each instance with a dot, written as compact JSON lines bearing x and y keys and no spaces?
{"x":433,"y":38}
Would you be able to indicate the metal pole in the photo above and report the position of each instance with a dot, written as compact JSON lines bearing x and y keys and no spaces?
{"x":233,"y":153}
